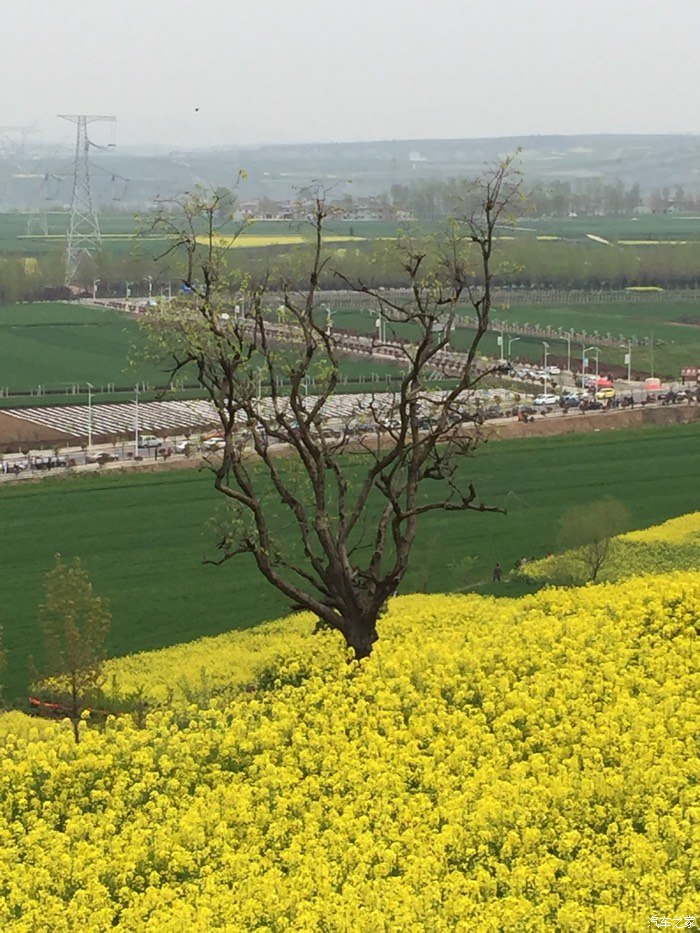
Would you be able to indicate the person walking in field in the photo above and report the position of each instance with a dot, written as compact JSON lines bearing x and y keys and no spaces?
{"x":497,"y":573}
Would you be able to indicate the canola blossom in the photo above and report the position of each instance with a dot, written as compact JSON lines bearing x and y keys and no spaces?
{"x":520,"y":764}
{"x":244,"y":240}
{"x":685,"y":528}
{"x":672,"y":545}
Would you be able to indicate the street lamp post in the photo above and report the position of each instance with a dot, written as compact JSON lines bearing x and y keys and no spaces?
{"x":628,"y":360}
{"x":128,"y":291}
{"x":150,"y":286}
{"x":381,"y":329}
{"x":584,"y":362}
{"x":511,"y":341}
{"x":329,"y":319}
{"x":95,"y":283}
{"x":568,"y":353}
{"x":136,"y":421}
{"x":546,"y":353}
{"x":90,"y":387}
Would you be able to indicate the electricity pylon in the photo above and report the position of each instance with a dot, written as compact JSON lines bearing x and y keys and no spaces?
{"x":84,"y":230}
{"x":13,"y":141}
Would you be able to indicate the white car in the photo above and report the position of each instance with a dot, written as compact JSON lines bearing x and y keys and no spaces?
{"x":214,"y":443}
{"x":547,"y":399}
{"x":553,"y":371}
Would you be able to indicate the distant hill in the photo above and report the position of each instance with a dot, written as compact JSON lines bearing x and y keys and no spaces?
{"x":30,"y":179}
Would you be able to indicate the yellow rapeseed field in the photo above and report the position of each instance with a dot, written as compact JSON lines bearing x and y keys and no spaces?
{"x":244,"y":240}
{"x":679,"y":530}
{"x":673,"y":545}
{"x":497,"y":764}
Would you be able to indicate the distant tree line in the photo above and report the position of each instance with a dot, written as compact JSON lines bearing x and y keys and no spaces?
{"x":532,"y":263}
{"x":432,"y":200}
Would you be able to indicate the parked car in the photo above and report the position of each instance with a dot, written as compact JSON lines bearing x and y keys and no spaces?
{"x":490,"y":412}
{"x":570,"y":400}
{"x":358,"y":426}
{"x":49,"y":463}
{"x":390,"y":424}
{"x":671,"y":397}
{"x":524,"y":410}
{"x":214,"y":442}
{"x":604,"y":392}
{"x":101,"y":457}
{"x":547,"y":398}
{"x":588,"y":381}
{"x":149,"y":441}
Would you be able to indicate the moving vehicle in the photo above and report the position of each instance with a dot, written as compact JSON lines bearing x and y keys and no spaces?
{"x":547,"y":398}
{"x":149,"y":441}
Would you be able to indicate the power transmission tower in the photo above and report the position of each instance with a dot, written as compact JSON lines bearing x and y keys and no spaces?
{"x":13,"y":141}
{"x":84,"y":229}
{"x":37,"y":217}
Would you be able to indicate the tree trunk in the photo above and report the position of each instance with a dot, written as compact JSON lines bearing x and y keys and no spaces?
{"x":360,"y":635}
{"x":75,"y":709}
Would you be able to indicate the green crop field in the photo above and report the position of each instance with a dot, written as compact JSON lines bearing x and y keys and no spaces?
{"x":53,"y":345}
{"x":57,"y":345}
{"x":37,"y":234}
{"x":673,"y":326}
{"x":648,"y":227}
{"x":142,"y":537}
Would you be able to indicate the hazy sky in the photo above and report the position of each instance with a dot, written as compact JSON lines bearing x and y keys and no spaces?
{"x":324,"y":70}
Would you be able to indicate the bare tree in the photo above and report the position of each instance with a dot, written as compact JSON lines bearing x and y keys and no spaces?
{"x":352,"y":489}
{"x":589,"y":529}
{"x":74,"y":623}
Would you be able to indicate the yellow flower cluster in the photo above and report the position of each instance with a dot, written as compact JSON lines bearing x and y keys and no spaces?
{"x":673,"y":545}
{"x":197,"y":671}
{"x":676,"y":530}
{"x":496,"y":764}
{"x":274,"y":239}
